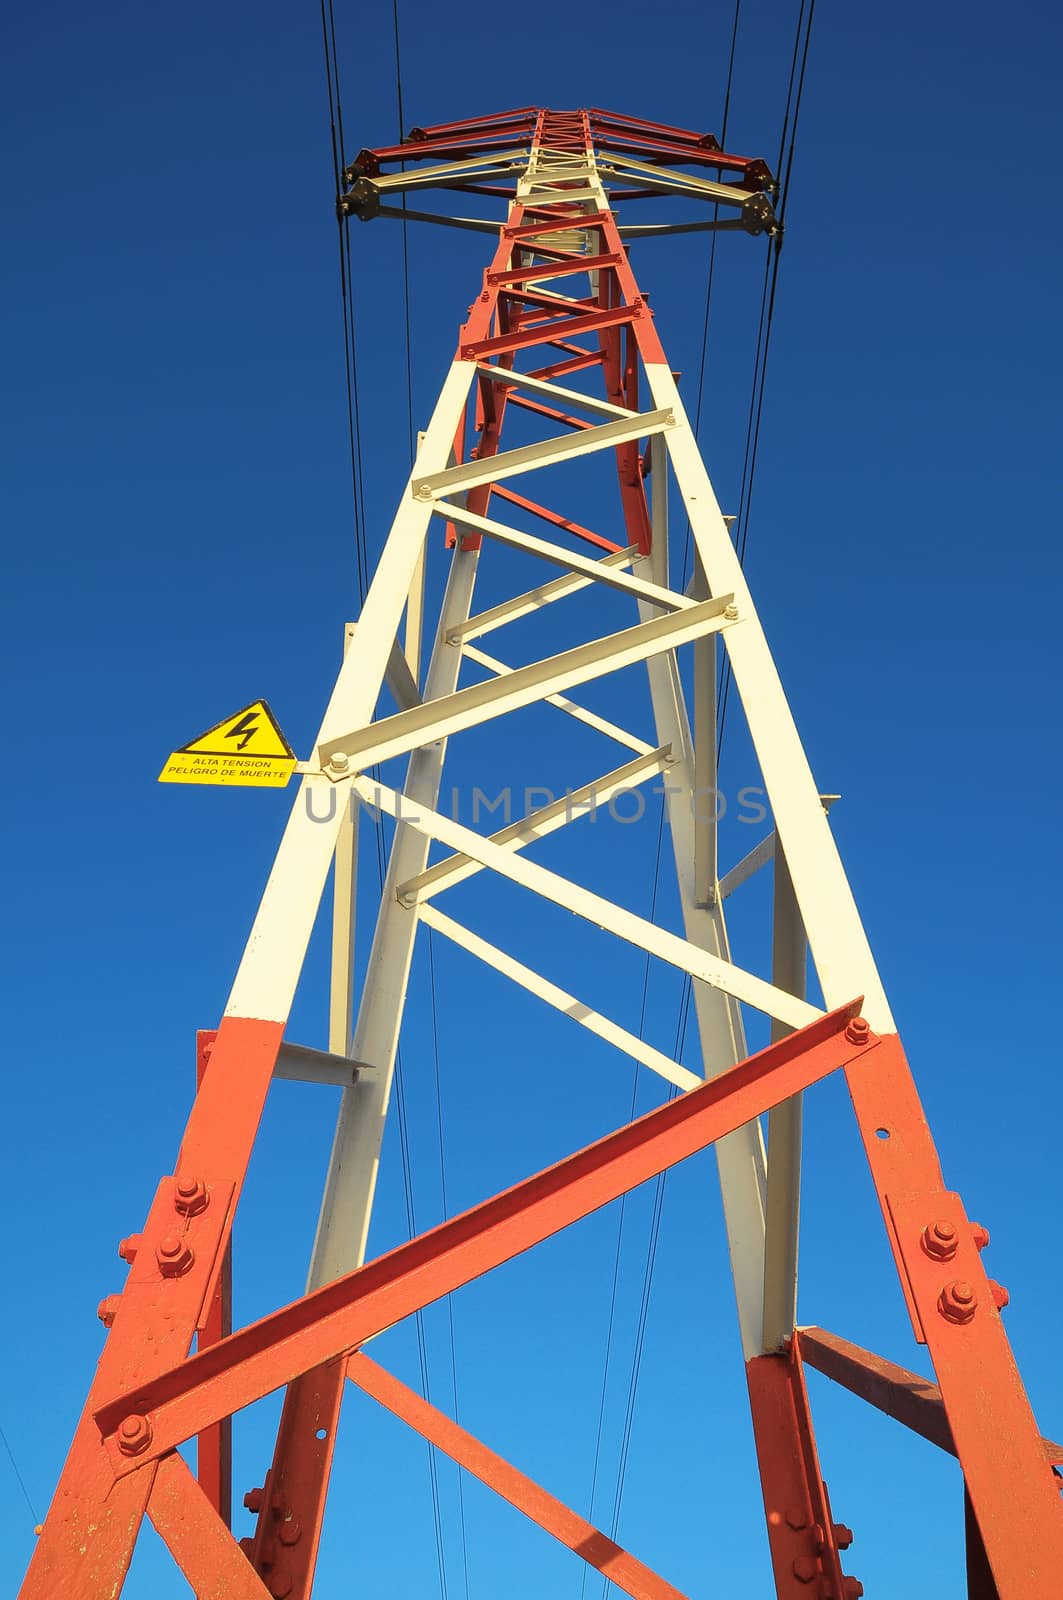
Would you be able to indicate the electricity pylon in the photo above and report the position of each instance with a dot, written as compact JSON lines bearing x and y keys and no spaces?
{"x":557,"y":300}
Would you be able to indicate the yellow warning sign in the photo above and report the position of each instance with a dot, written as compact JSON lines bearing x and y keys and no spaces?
{"x":247,"y":748}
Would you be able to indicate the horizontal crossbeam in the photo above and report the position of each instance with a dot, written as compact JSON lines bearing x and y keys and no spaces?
{"x":336,"y":1319}
{"x":481,"y":702}
{"x":528,"y":457}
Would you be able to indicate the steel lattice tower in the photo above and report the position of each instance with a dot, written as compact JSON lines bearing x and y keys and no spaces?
{"x":558,"y":299}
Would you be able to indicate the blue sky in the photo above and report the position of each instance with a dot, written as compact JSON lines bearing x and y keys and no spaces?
{"x":178,"y":538}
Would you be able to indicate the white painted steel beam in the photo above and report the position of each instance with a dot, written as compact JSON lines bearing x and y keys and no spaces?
{"x":273,"y":957}
{"x":344,"y":901}
{"x":758,"y":857}
{"x":611,"y":576}
{"x":522,"y":605}
{"x":537,"y":824}
{"x":441,"y":716}
{"x":400,"y":679}
{"x":783,"y":1204}
{"x":721,"y":1033}
{"x":561,"y":1000}
{"x":298,"y":1063}
{"x":594,"y":908}
{"x":590,"y":719}
{"x":530,"y":457}
{"x":350,"y":1184}
{"x":836,"y":935}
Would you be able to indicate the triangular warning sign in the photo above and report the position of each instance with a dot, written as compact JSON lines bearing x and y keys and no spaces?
{"x":246,"y":748}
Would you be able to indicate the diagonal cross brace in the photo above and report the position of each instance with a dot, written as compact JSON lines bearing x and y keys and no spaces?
{"x":339,"y":1317}
{"x":521,"y":1491}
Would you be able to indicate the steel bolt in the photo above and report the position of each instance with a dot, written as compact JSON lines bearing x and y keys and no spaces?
{"x":980,"y":1235}
{"x":796,"y":1519}
{"x":857,"y":1031}
{"x":253,"y":1500}
{"x":843,"y":1536}
{"x":247,"y":1545}
{"x":340,"y":761}
{"x":127,"y":1248}
{"x":805,"y":1569}
{"x":958,"y":1301}
{"x":730,"y":613}
{"x":999,"y":1293}
{"x":190,"y":1196}
{"x":940,"y":1240}
{"x":280,"y":1585}
{"x":107,"y":1309}
{"x":134,"y":1434}
{"x":174,"y":1255}
{"x":290,"y":1532}
{"x":853,"y":1588}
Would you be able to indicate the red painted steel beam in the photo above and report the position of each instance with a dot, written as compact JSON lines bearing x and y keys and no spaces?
{"x":588,"y":322}
{"x":560,"y":369}
{"x":906,"y":1397}
{"x":803,"y":1538}
{"x":198,"y":1539}
{"x":555,"y":518}
{"x":951,"y":1302}
{"x":610,"y":1559}
{"x":565,"y":267}
{"x":342,"y":1315}
{"x":88,"y":1535}
{"x":526,"y":403}
{"x":214,"y":1447}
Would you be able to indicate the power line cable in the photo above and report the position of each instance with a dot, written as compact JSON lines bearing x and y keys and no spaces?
{"x":795,"y":93}
{"x":18,"y":1476}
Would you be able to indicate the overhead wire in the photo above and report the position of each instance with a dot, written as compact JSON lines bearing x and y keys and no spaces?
{"x":18,"y":1476}
{"x":437,"y":1085}
{"x":787,"y":146}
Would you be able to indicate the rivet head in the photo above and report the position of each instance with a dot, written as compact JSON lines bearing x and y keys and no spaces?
{"x":107,"y":1309}
{"x":805,"y":1569}
{"x":174,"y":1255}
{"x":940,"y":1240}
{"x":290,"y":1532}
{"x":190,"y":1196}
{"x":134,"y":1434}
{"x":958,"y":1301}
{"x":1001,"y":1297}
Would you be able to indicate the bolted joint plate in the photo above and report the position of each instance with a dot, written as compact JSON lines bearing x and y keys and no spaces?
{"x":174,"y":1267}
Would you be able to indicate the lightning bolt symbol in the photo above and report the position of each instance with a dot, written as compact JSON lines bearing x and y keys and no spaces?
{"x":242,"y":730}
